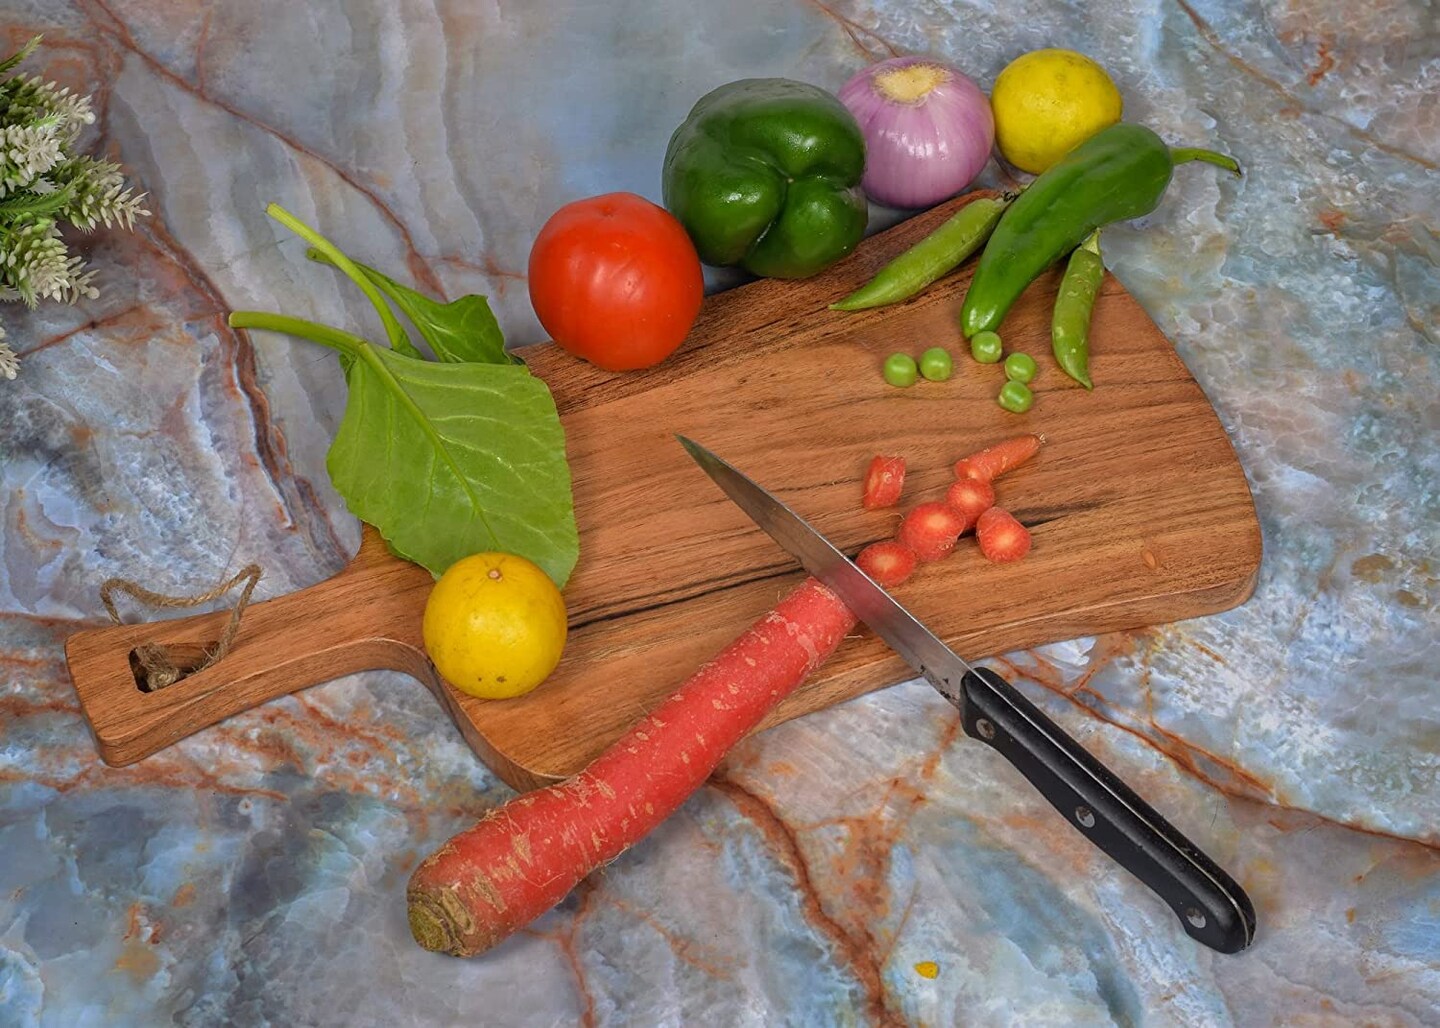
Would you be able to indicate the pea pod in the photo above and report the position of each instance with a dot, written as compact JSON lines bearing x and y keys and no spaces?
{"x":1070,"y":322}
{"x":941,"y":251}
{"x":1117,"y":174}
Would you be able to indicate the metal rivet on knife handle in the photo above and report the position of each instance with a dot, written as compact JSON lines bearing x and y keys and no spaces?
{"x":985,"y":728}
{"x":1085,"y":816}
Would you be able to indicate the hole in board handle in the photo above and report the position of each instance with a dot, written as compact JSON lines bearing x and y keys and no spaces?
{"x":185,"y":657}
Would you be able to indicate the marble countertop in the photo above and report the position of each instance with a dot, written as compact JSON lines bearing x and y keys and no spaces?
{"x":254,"y":874}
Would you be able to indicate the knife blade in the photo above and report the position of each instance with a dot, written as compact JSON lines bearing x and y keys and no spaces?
{"x":1213,"y":909}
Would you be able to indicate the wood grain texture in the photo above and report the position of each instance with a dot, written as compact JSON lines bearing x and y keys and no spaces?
{"x":1139,"y":509}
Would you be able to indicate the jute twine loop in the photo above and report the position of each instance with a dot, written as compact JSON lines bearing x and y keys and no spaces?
{"x":160,"y":669}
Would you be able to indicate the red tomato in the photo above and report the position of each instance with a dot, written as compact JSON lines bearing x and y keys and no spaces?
{"x":614,"y":279}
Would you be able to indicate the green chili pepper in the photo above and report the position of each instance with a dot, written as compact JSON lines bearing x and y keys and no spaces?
{"x":941,"y":251}
{"x":1070,"y":322}
{"x":1117,"y":174}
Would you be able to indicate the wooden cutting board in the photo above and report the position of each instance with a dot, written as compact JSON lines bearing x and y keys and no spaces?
{"x":1139,"y":509}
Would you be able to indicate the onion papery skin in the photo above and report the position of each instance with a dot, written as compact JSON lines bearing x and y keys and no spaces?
{"x":928,"y":130}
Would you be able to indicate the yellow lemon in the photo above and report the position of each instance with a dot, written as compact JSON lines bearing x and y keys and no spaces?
{"x":494,"y":625}
{"x":1048,"y":102}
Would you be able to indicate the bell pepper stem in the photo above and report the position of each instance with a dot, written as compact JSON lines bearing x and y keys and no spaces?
{"x":1184,"y":154}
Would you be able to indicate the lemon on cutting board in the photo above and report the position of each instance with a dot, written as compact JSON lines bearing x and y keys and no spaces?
{"x":1048,"y":102}
{"x":494,"y":625}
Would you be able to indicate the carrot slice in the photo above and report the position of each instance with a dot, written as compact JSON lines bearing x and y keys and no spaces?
{"x":883,"y":482}
{"x":971,"y":497}
{"x":1002,"y":539}
{"x":930,"y":529}
{"x":888,"y":562}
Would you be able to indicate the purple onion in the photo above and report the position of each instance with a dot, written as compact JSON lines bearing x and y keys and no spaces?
{"x":928,"y":130}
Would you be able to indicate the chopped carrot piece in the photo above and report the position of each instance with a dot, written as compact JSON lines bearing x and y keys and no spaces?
{"x":930,"y":529}
{"x":888,"y":562}
{"x":994,"y":461}
{"x":883,"y":482}
{"x":971,"y":497}
{"x":1002,"y":539}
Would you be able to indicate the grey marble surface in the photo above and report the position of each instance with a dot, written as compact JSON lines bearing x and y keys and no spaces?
{"x":254,"y":873}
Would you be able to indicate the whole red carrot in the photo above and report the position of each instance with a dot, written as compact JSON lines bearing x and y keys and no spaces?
{"x":523,"y":858}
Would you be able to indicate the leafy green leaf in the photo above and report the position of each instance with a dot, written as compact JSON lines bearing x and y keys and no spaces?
{"x":462,"y":331}
{"x":444,"y":459}
{"x":447,"y":460}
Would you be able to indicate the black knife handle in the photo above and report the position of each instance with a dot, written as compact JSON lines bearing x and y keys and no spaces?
{"x":1213,"y":909}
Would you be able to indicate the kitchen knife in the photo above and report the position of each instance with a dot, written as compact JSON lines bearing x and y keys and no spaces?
{"x":1213,"y":909}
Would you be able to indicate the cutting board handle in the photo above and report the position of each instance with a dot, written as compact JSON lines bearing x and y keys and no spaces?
{"x":365,"y":617}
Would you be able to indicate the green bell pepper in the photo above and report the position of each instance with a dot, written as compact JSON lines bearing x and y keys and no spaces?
{"x":765,"y":174}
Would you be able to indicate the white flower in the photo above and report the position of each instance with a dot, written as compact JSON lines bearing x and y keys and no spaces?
{"x":27,"y":152}
{"x":9,"y":361}
{"x":46,"y":187}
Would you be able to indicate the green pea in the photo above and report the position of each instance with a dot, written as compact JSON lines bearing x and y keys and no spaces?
{"x":900,"y":370}
{"x":1016,"y":397}
{"x":935,"y":364}
{"x":1020,"y":367}
{"x":986,"y":347}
